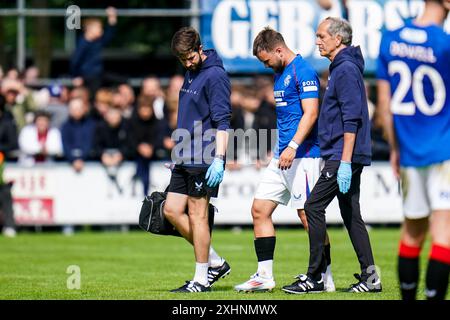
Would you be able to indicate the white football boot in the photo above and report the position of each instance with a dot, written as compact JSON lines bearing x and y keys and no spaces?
{"x":256,"y":283}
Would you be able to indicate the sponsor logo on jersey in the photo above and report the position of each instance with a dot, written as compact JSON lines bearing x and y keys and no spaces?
{"x":414,"y":35}
{"x":279,"y":95}
{"x":310,"y":85}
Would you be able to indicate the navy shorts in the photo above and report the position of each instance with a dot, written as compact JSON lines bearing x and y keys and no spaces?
{"x":191,"y":182}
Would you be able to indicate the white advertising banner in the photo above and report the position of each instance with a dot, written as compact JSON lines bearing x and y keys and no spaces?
{"x":230,"y":26}
{"x":55,"y":194}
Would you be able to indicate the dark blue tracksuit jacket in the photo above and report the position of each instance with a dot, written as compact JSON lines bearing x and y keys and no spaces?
{"x":77,"y":138}
{"x":204,"y":102}
{"x":87,"y":58}
{"x":344,"y":108}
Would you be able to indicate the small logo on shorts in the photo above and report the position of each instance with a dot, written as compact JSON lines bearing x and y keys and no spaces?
{"x":430,"y":293}
{"x":198,"y":186}
{"x":299,"y":197}
{"x":328,"y":175}
{"x":408,"y":286}
{"x":445,"y":195}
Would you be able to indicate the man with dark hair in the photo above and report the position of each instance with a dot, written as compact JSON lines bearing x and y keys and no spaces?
{"x":344,"y":137}
{"x":295,"y":167}
{"x":414,"y":67}
{"x":184,"y":42}
{"x":204,"y":108}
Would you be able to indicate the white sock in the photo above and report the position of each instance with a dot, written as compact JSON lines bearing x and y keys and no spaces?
{"x":214,"y":259}
{"x":201,"y":273}
{"x":328,"y":272}
{"x":265,"y":268}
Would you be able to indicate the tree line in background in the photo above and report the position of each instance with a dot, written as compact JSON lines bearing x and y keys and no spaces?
{"x":143,"y":37}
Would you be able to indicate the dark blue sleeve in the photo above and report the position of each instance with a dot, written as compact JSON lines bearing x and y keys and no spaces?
{"x":110,"y":31}
{"x":86,"y":147}
{"x":9,"y":141}
{"x":77,"y":58}
{"x":349,"y":96}
{"x":67,"y":142}
{"x":219,"y":91}
{"x":308,"y":83}
{"x":382,"y":61}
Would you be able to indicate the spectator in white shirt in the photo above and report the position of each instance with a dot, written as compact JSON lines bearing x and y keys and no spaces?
{"x":38,"y":142}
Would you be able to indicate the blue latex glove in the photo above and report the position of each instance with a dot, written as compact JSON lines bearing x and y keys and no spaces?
{"x":214,"y":175}
{"x":344,"y":176}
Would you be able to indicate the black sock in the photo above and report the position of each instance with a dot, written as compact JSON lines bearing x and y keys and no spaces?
{"x":265,"y":248}
{"x":437,"y":280}
{"x":408,"y":274}
{"x":327,"y":251}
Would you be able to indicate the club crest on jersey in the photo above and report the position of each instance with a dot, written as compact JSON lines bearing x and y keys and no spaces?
{"x":287,"y":80}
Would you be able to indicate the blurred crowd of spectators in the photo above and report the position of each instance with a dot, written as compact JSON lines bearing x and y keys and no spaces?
{"x":118,"y":123}
{"x":58,"y":123}
{"x":100,"y":117}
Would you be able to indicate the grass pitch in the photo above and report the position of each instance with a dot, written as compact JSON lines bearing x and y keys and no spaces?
{"x":137,"y":265}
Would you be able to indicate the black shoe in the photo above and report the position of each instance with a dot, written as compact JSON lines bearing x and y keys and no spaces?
{"x":363,"y":286}
{"x":191,"y":286}
{"x":305,"y":284}
{"x":216,"y":273}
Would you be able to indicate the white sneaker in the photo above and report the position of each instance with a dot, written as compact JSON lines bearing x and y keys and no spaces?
{"x":9,"y":232}
{"x":328,"y":280}
{"x":256,"y":283}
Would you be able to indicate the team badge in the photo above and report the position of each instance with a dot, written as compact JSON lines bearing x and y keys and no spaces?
{"x":287,"y":80}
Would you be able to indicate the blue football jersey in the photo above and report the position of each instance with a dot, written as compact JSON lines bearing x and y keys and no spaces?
{"x":297,"y":81}
{"x":416,"y":62}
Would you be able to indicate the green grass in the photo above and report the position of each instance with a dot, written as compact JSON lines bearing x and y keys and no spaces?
{"x":138,"y":265}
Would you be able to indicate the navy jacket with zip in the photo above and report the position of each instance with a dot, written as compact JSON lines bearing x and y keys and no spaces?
{"x":344,"y":108}
{"x":204,"y":104}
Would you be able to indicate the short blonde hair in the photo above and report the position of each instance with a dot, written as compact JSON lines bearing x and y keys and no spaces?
{"x":91,"y":21}
{"x":103,"y":96}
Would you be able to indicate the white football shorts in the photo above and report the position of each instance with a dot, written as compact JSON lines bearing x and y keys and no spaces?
{"x":425,"y":189}
{"x":293,"y":184}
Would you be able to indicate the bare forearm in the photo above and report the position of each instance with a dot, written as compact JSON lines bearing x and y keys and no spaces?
{"x":384,"y":102}
{"x":310,"y":109}
{"x":349,"y":144}
{"x":221,"y":142}
{"x":304,"y":127}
